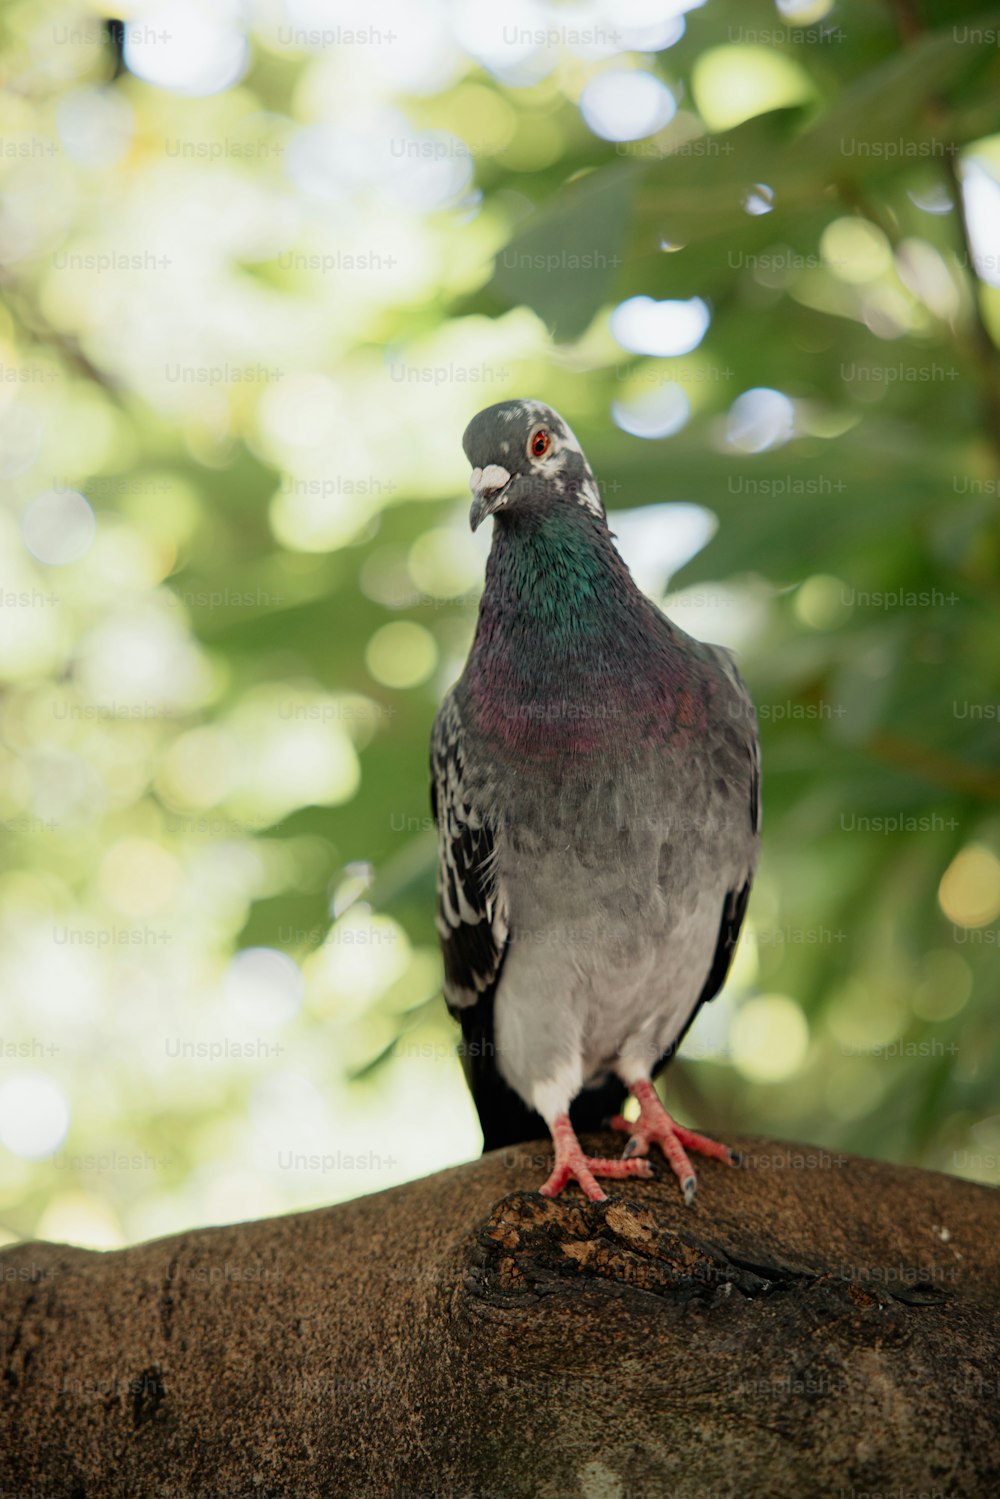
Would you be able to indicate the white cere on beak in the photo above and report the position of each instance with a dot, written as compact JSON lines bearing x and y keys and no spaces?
{"x":484,"y":481}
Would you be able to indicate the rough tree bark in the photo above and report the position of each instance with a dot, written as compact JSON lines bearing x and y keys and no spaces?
{"x":815,"y":1325}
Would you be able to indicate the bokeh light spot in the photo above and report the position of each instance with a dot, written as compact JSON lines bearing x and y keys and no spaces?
{"x":362,"y":955}
{"x":855,"y":250}
{"x":732,"y":84}
{"x":645,"y":326}
{"x":769,"y":1038}
{"x":401,"y":654}
{"x":264,"y":986}
{"x":20,"y":439}
{"x":760,"y":419}
{"x":804,"y":12}
{"x":819,"y":602}
{"x":82,"y":1218}
{"x":187,"y":47}
{"x":139,"y":877}
{"x":981,"y":194}
{"x":445,"y":562}
{"x":944,"y":987}
{"x":969,"y":892}
{"x":625,"y":105}
{"x":654,"y":413}
{"x":95,"y":126}
{"x":200,"y":767}
{"x":58,"y":527}
{"x":34,"y":1115}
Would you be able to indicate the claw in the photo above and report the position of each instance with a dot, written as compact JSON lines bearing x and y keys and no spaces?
{"x":572,"y":1165}
{"x":654,"y":1123}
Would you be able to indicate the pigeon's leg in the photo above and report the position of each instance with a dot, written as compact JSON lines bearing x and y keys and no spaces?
{"x":572,"y":1165}
{"x":654,"y":1123}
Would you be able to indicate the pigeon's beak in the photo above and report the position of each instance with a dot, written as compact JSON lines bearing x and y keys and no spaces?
{"x":489,"y":492}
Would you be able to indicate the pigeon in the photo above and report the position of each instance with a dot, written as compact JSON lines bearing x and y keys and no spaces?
{"x":596,"y":791}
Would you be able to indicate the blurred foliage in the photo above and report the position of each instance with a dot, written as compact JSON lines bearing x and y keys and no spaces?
{"x":257,"y":276}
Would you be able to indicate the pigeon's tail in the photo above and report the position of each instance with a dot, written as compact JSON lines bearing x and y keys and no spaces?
{"x":504,"y":1116}
{"x":592,"y":1108}
{"x":507,"y":1120}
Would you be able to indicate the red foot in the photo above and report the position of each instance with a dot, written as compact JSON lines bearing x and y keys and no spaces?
{"x":572,"y":1164}
{"x":654,"y":1123}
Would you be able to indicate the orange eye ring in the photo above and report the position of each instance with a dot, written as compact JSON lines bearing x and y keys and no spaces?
{"x":539,"y":444}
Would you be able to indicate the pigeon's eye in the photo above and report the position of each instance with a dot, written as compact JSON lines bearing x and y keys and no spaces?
{"x":539,"y":444}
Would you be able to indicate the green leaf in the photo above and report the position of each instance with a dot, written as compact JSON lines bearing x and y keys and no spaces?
{"x":564,"y":263}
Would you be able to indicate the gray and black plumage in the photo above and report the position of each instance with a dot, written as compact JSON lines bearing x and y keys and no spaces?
{"x":595,"y":784}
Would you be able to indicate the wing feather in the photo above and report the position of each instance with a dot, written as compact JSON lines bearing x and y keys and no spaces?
{"x":472,"y":918}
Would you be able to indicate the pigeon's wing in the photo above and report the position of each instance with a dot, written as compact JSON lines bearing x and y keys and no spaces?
{"x":734,"y":906}
{"x":471,"y":911}
{"x":472,"y":926}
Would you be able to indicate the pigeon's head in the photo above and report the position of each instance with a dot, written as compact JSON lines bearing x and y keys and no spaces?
{"x":523,"y":453}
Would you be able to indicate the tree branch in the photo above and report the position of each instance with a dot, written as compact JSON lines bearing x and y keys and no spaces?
{"x":816,"y":1323}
